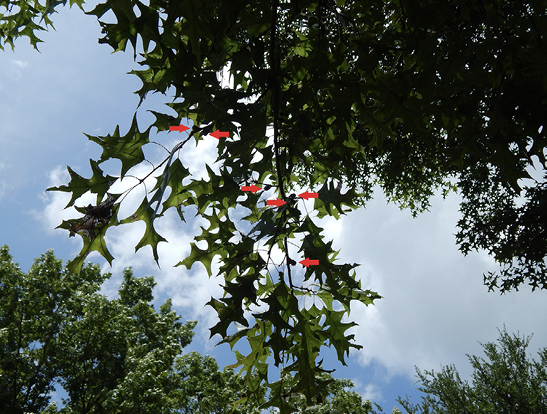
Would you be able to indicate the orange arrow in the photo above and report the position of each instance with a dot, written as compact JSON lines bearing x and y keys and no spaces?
{"x":308,"y":262}
{"x":217,"y":134}
{"x":179,"y":128}
{"x":277,"y":202}
{"x":252,"y":188}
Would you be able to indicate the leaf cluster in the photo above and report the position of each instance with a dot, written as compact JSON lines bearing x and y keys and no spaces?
{"x":515,"y":235}
{"x":20,"y":19}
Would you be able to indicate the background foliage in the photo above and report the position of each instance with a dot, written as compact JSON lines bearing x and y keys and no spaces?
{"x":113,"y":356}
{"x":110,"y":356}
{"x":508,"y":382}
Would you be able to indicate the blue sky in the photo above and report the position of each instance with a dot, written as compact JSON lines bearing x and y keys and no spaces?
{"x":435,"y":307}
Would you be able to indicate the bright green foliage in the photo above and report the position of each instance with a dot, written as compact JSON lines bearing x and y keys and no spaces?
{"x":339,"y":399}
{"x":203,"y":388}
{"x":507,"y":383}
{"x":121,"y":352}
{"x":116,"y":356}
{"x":31,"y":319}
{"x":411,"y":95}
{"x":111,"y":356}
{"x":206,"y":389}
{"x":19,"y":18}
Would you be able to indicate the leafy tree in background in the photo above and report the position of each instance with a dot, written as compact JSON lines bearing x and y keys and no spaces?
{"x":27,"y":316}
{"x":118,"y":355}
{"x":34,"y":310}
{"x":339,"y":399}
{"x":114,"y":356}
{"x":414,"y":96}
{"x":203,"y":388}
{"x":508,"y":383}
{"x":111,"y":356}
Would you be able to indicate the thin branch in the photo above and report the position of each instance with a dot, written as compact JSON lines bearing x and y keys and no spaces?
{"x":288,"y":263}
{"x":157,"y":143}
{"x":275,"y":92}
{"x":167,"y":159}
{"x":274,"y":63}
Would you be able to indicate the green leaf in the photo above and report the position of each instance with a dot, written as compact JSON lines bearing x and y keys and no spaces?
{"x":228,"y":313}
{"x":193,"y":25}
{"x":127,"y":148}
{"x":331,"y":199}
{"x":197,"y":254}
{"x":179,"y":193}
{"x":173,"y":175}
{"x":234,"y":338}
{"x":78,"y":186}
{"x":336,"y":333}
{"x":151,"y":236}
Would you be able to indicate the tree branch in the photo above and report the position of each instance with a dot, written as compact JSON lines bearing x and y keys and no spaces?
{"x":274,"y":63}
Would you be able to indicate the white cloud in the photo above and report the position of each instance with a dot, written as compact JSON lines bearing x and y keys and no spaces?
{"x":15,"y":70}
{"x":19,"y":63}
{"x":435,"y":306}
{"x":371,"y":392}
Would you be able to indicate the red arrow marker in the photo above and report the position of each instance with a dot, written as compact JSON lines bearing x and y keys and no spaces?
{"x":179,"y":128}
{"x":252,"y":188}
{"x":217,"y":134}
{"x":277,"y":202}
{"x":307,"y":195}
{"x":309,"y":262}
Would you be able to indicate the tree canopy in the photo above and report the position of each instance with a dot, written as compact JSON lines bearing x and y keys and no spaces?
{"x":508,"y":382}
{"x":414,"y":96}
{"x":114,"y":356}
{"x":110,"y":356}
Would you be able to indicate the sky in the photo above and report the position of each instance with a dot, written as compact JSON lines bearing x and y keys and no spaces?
{"x":435,"y":308}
